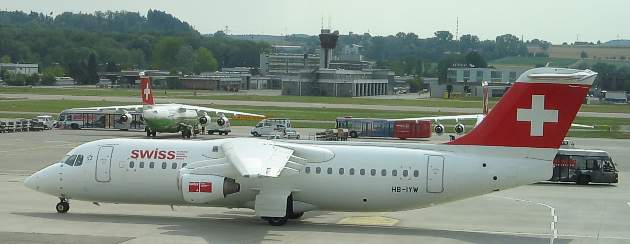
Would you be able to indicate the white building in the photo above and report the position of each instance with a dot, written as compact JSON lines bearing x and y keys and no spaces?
{"x":24,"y":69}
{"x":462,"y":74}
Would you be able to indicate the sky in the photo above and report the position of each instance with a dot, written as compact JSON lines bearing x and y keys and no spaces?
{"x":552,"y":20}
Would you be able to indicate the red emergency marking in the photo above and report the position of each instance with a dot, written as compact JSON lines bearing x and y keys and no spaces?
{"x":205,"y":187}
{"x":193,"y":187}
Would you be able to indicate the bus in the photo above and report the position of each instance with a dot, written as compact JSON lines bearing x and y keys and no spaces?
{"x":403,"y":129}
{"x":97,"y":119}
{"x":584,"y":166}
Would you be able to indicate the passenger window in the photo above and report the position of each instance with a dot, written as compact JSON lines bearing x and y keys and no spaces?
{"x":373,"y":172}
{"x":362,"y":171}
{"x":131,"y":165}
{"x":416,"y":173}
{"x":164,"y":165}
{"x":384,"y":172}
{"x":329,"y":171}
{"x":340,"y":171}
{"x":307,"y":170}
{"x":405,"y":173}
{"x":141,"y":165}
{"x":174,"y":166}
{"x":351,"y":171}
{"x":79,"y":160}
{"x":70,"y":160}
{"x":152,"y":165}
{"x":318,"y":170}
{"x":394,"y":172}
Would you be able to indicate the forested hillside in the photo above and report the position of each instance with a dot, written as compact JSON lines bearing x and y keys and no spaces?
{"x":117,"y":40}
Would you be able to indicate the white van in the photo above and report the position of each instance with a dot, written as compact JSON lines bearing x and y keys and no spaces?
{"x":275,"y":127}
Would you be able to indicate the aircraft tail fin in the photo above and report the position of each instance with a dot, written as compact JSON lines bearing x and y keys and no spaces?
{"x":536,"y":112}
{"x":145,"y":91}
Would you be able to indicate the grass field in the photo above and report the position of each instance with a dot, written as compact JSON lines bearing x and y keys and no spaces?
{"x":533,"y":61}
{"x":468,"y":102}
{"x":574,"y":52}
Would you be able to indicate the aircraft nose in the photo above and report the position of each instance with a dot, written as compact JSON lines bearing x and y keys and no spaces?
{"x":31,"y":181}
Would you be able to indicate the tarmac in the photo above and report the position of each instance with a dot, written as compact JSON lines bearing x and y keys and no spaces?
{"x":596,"y":213}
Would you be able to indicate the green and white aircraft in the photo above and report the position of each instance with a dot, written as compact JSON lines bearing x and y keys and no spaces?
{"x":175,"y":118}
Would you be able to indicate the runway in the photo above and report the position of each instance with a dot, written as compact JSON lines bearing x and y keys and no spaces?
{"x":528,"y":214}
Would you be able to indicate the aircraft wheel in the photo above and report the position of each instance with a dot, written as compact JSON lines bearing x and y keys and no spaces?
{"x":62,"y":207}
{"x":296,"y":215}
{"x":153,"y":133}
{"x":148,"y":132}
{"x":276,"y":221}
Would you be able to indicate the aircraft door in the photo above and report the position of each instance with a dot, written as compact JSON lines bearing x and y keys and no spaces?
{"x":104,"y":164}
{"x":435,"y":174}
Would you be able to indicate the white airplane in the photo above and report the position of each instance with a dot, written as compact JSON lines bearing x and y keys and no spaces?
{"x":173,"y":118}
{"x":514,"y":145}
{"x":459,"y":128}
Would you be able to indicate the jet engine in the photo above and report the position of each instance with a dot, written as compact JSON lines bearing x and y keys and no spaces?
{"x":205,"y":119}
{"x":202,"y":189}
{"x":126,"y":117}
{"x":459,"y":128}
{"x":221,"y":121}
{"x":439,"y":129}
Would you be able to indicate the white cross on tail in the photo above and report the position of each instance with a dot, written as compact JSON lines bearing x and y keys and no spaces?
{"x":537,"y":115}
{"x":146,"y":92}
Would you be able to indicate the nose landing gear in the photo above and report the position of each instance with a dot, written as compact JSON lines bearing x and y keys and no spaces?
{"x":63,"y":206}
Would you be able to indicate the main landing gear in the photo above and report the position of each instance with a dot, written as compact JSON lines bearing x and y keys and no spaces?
{"x":278,"y":221}
{"x":63,"y":206}
{"x":150,"y":133}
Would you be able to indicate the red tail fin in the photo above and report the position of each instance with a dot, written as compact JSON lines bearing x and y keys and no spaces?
{"x":537,"y":110}
{"x":145,"y":91}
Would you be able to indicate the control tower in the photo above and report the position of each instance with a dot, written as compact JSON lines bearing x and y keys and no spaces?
{"x":328,"y":41}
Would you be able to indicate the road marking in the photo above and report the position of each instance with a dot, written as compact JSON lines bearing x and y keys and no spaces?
{"x":552,"y":211}
{"x":369,"y":220}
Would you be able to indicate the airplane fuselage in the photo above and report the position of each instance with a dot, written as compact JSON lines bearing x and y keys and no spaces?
{"x":169,"y":118}
{"x":358,"y":178}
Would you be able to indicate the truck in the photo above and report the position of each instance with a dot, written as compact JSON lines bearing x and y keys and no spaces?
{"x":275,"y":127}
{"x":584,"y":166}
{"x":44,"y":122}
{"x":367,"y":127}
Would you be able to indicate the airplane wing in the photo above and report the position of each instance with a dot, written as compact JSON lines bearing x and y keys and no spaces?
{"x":264,"y":158}
{"x":456,"y":118}
{"x":234,"y":114}
{"x":137,"y":108}
{"x":582,"y":126}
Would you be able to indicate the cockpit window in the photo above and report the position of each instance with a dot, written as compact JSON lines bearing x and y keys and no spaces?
{"x":70,"y":160}
{"x":79,"y":160}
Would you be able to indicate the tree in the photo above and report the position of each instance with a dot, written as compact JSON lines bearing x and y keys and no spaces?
{"x":92,"y":72}
{"x":583,"y":55}
{"x":5,"y":59}
{"x":165,"y":52}
{"x":444,"y":36}
{"x":475,"y":59}
{"x":185,"y":59}
{"x":415,"y":85}
{"x":468,"y":42}
{"x":205,"y":61}
{"x":173,"y":82}
{"x":48,"y":79}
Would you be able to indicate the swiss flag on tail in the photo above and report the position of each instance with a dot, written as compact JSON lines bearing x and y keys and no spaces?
{"x":145,"y":91}
{"x":536,"y":111}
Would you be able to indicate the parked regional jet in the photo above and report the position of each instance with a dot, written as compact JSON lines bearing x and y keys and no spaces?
{"x":514,"y":145}
{"x":459,"y":128}
{"x":174,"y":118}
